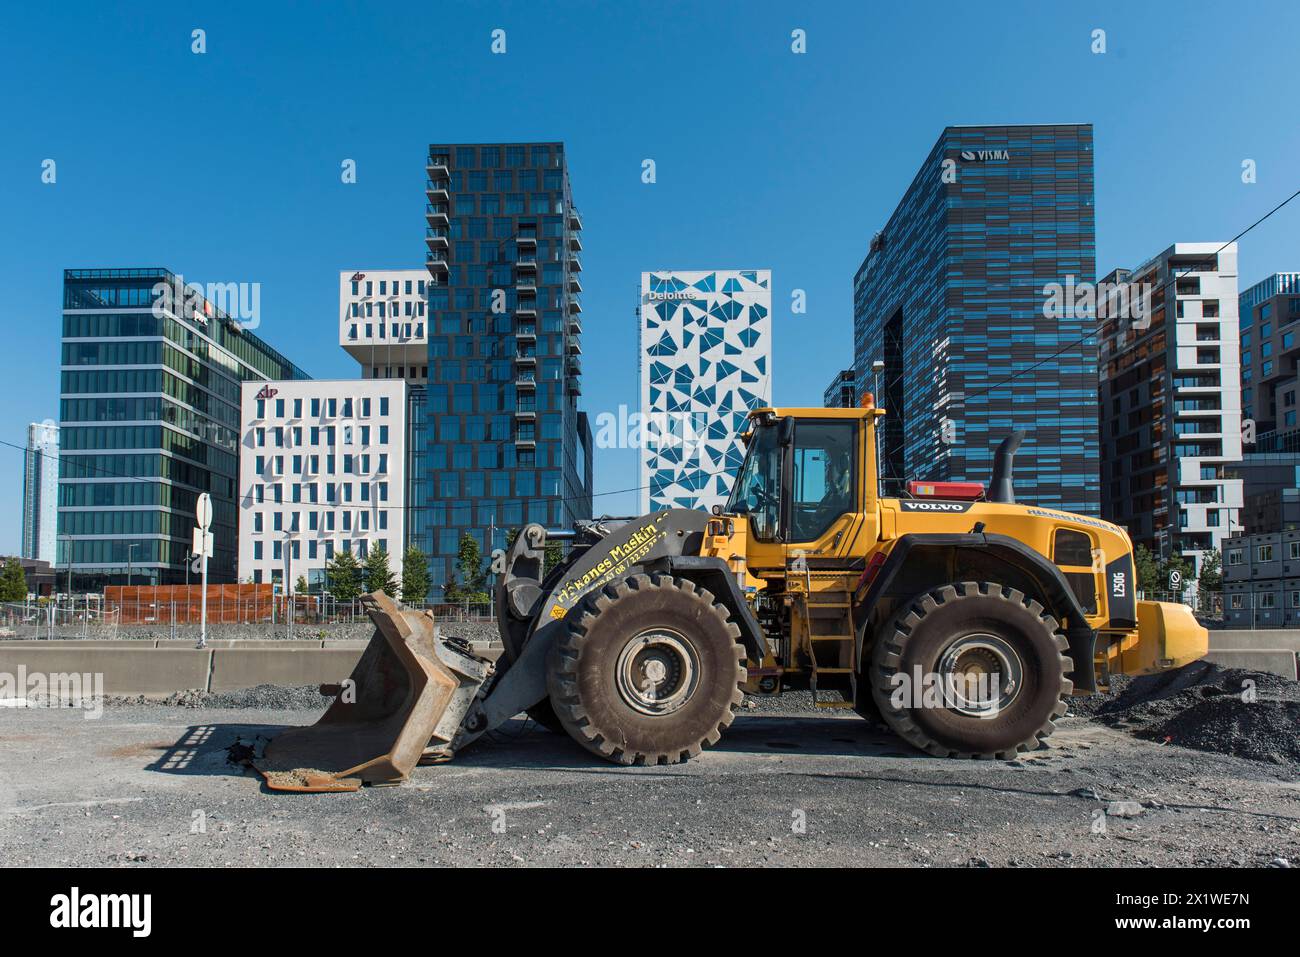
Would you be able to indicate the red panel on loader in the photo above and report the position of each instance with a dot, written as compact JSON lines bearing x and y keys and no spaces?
{"x":963,"y":491}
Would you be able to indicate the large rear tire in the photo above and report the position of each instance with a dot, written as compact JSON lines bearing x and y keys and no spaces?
{"x":648,"y":671}
{"x":982,"y":635}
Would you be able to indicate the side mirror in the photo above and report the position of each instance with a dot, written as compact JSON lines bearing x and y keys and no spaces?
{"x":785,"y":430}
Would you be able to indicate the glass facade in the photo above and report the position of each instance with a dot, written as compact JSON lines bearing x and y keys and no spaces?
{"x":951,"y":298}
{"x":149,"y":418}
{"x":503,"y":438}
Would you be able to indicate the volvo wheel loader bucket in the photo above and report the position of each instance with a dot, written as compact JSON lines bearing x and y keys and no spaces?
{"x":406,"y":696}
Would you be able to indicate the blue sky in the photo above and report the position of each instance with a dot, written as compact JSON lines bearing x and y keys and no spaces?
{"x":225,"y":166}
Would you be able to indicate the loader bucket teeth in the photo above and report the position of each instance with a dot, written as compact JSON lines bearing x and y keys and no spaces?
{"x":405,"y":697}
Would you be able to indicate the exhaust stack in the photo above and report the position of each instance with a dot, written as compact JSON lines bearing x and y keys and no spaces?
{"x":1000,"y":487}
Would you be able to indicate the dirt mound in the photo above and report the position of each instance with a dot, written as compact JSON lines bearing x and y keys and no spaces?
{"x":1250,"y":714}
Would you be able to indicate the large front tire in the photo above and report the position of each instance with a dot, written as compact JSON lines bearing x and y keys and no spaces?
{"x":971,"y":630}
{"x":648,"y":671}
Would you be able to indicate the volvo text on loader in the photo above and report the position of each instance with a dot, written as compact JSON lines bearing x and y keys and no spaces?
{"x":961,"y":618}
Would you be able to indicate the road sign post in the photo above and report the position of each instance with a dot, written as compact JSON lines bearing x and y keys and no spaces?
{"x":288,"y":586}
{"x":203,"y":548}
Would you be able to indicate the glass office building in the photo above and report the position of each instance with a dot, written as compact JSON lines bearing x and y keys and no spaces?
{"x":951,"y":298}
{"x":504,"y":441}
{"x":149,"y":418}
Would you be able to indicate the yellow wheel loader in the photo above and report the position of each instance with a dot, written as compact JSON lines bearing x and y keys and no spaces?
{"x":960,"y":618}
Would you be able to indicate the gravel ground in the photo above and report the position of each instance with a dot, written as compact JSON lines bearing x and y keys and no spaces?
{"x":151,"y":784}
{"x":274,"y":697}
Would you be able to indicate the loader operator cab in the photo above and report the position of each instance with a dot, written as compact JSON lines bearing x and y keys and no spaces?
{"x":819,"y":456}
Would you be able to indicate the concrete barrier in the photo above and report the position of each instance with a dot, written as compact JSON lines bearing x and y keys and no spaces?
{"x":1277,"y":661}
{"x":243,"y":668}
{"x":1232,"y":639}
{"x":162,"y":666}
{"x":127,"y":670}
{"x":248,"y":643}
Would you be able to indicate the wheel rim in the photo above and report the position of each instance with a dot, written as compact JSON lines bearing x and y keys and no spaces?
{"x":980,"y":675}
{"x":658,"y":672}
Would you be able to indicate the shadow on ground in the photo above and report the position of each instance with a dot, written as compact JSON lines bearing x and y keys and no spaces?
{"x":212,"y":749}
{"x":204,"y":749}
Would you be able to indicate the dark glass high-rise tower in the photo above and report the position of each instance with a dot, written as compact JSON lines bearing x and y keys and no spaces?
{"x":505,"y":444}
{"x":951,"y":297}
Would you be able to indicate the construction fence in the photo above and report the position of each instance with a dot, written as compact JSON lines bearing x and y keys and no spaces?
{"x":79,"y":617}
{"x":165,"y":607}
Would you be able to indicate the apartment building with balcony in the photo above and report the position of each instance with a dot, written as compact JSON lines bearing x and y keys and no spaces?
{"x":1270,"y":353}
{"x":504,"y":442}
{"x":1170,"y":402}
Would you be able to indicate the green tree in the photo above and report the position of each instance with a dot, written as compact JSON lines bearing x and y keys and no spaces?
{"x":13,"y":584}
{"x":1148,"y":569}
{"x":469,"y":560}
{"x":379,"y":577}
{"x":552,"y":555}
{"x":415,"y":576}
{"x":300,"y":586}
{"x":1211,"y":577}
{"x":344,"y":576}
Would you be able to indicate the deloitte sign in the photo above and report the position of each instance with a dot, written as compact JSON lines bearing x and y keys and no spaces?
{"x":681,"y":295}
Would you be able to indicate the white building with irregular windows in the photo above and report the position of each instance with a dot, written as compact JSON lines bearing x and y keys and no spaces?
{"x":382,"y":322}
{"x":322,"y":469}
{"x":705,"y":360}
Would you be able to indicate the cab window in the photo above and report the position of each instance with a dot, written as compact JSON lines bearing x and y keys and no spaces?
{"x":824,"y":474}
{"x":757,"y":492}
{"x":1073,"y":549}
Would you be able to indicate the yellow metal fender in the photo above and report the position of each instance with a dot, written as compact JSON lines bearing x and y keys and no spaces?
{"x":1168,"y":636}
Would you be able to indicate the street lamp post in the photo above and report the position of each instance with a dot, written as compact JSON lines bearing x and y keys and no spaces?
{"x":129,"y":550}
{"x":67,"y":547}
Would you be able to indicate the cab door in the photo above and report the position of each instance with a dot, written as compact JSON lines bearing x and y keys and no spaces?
{"x":822,"y":504}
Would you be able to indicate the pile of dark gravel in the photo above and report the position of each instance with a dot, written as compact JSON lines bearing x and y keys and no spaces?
{"x":1249,"y":714}
{"x":273,"y":697}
